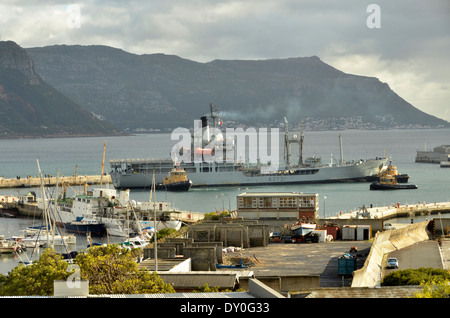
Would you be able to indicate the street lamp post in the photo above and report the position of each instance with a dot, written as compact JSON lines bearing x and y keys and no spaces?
{"x":229,"y":203}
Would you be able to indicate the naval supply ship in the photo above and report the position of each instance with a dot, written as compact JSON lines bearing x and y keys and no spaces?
{"x":138,"y":173}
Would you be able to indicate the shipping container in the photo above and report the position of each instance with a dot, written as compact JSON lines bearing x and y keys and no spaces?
{"x":356,"y":232}
{"x":348,"y":233}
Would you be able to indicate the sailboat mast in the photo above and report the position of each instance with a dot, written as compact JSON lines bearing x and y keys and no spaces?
{"x":155,"y":240}
{"x":300,"y":150}
{"x":44,"y":205}
{"x":103,"y":164}
{"x":55,"y":211}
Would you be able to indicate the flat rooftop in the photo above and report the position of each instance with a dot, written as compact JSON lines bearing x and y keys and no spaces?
{"x":276,"y":194}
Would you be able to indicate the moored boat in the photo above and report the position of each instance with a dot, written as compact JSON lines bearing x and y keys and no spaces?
{"x":9,"y":246}
{"x":8,"y":212}
{"x":84,"y":225}
{"x":445,"y":163}
{"x":138,"y":241}
{"x":28,"y":241}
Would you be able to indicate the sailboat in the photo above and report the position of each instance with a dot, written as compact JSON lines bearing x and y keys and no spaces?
{"x":49,"y":233}
{"x":144,"y":235}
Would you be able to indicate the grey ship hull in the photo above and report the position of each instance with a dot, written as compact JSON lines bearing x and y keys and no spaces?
{"x":228,"y":175}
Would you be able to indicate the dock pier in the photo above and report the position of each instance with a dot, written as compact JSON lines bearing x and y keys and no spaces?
{"x":397,"y":210}
{"x":33,"y":182}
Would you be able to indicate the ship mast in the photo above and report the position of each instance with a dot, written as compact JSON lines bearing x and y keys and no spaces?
{"x":294,"y":139}
{"x":103,"y":165}
{"x":214,"y":115}
{"x":300,"y":155}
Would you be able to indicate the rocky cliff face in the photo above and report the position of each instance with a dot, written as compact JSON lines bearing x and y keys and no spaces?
{"x":163,"y":91}
{"x":31,"y":107}
{"x":14,"y":57}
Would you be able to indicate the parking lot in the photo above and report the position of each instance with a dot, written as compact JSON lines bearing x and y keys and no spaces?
{"x":304,"y":259}
{"x":423,"y":254}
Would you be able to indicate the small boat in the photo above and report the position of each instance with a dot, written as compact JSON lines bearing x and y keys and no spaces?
{"x":8,"y":212}
{"x":302,"y":228}
{"x":139,"y":241}
{"x":445,"y":163}
{"x":28,"y":241}
{"x":389,"y":183}
{"x":8,"y":246}
{"x":40,"y":235}
{"x":177,"y":180}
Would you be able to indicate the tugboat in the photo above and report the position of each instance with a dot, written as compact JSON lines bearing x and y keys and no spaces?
{"x":389,"y":183}
{"x":392,"y":171}
{"x":177,"y":180}
{"x":388,"y":180}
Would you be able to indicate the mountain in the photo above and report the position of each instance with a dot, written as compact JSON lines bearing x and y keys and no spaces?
{"x":157,"y":91}
{"x":31,"y":107}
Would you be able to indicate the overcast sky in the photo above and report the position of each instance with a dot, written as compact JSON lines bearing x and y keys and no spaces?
{"x":404,"y":43}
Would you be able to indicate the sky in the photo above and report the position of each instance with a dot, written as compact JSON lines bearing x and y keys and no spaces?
{"x":404,"y":43}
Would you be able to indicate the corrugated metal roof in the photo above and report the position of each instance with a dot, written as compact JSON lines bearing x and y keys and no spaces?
{"x":276,"y":194}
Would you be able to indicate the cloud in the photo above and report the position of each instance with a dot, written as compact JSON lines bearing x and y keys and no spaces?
{"x":409,"y":51}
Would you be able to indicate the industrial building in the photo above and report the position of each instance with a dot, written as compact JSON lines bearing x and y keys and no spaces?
{"x":278,"y":205}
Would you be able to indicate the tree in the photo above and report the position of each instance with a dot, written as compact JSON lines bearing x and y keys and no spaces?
{"x":112,"y":270}
{"x":434,"y":289}
{"x":109,"y":269}
{"x":415,"y":276}
{"x":35,"y":279}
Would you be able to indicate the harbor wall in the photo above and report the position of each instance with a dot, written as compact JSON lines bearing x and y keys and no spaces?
{"x":384,"y":243}
{"x":34,"y":182}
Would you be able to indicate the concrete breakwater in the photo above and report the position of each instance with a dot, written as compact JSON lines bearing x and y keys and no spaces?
{"x":32,"y":182}
{"x":395,"y":211}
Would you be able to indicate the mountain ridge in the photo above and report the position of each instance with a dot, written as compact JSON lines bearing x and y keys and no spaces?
{"x":157,"y":91}
{"x":30,"y":107}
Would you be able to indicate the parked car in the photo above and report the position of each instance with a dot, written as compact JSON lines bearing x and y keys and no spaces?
{"x":389,"y":226}
{"x":392,"y":262}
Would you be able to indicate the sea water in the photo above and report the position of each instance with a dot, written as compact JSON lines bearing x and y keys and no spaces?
{"x":84,"y":156}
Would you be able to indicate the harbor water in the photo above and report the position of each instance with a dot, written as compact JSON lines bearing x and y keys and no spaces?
{"x":83,"y":156}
